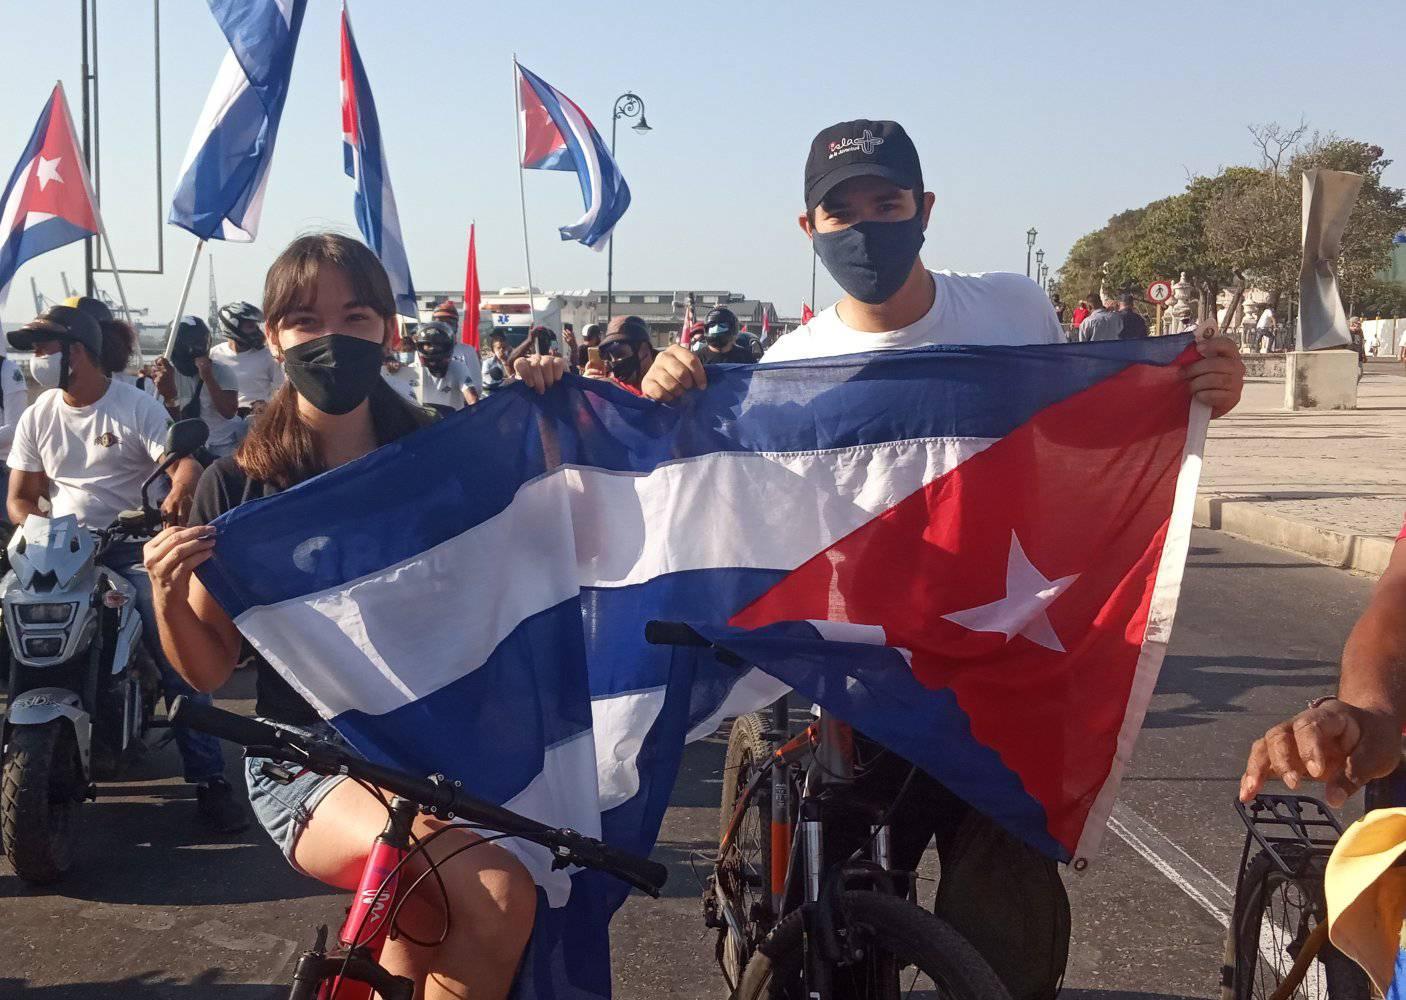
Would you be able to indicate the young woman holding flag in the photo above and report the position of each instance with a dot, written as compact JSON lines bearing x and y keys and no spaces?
{"x":330,"y":319}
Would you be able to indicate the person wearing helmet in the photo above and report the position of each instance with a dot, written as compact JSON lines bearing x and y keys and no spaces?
{"x":87,"y":444}
{"x":719,"y":345}
{"x":627,"y":351}
{"x":444,"y":382}
{"x":194,"y":386}
{"x":256,"y":374}
{"x":448,"y":314}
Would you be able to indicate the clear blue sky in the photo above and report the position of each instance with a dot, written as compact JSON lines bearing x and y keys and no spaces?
{"x":1047,"y":114}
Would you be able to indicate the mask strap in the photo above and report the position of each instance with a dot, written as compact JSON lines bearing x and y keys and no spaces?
{"x":63,"y":365}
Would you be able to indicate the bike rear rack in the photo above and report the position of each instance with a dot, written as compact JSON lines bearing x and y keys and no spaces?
{"x":1279,"y":821}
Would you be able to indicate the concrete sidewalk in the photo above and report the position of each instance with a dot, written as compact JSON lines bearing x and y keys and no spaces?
{"x":1329,"y":485}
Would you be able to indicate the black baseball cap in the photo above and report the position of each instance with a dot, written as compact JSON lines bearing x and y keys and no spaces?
{"x":59,"y":323}
{"x":861,"y":148}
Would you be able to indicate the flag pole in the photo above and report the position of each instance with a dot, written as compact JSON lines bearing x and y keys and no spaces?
{"x":121,"y":294}
{"x":185,"y":294}
{"x":522,"y":196}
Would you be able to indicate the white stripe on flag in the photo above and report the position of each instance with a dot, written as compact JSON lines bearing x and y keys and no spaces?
{"x":578,"y":528}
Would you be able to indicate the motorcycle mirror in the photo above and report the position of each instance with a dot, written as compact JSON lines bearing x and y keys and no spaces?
{"x":186,"y":437}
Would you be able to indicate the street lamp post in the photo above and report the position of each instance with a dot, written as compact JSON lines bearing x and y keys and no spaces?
{"x":627,"y":105}
{"x":1030,"y":235}
{"x":1045,"y":277}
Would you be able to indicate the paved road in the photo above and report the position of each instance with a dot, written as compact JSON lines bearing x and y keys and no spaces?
{"x":157,"y":912}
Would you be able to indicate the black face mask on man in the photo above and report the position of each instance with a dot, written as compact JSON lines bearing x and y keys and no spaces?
{"x":871,"y":260}
{"x":334,"y":373}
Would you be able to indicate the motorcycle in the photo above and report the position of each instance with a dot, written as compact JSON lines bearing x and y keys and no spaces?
{"x":82,"y":684}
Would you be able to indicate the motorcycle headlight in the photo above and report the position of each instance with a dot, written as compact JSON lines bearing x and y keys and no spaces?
{"x":44,"y":614}
{"x":43,"y":648}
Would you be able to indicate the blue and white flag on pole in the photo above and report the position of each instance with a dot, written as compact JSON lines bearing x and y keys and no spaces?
{"x":221,"y":191}
{"x":471,"y":599}
{"x":557,"y":135}
{"x":364,"y":158}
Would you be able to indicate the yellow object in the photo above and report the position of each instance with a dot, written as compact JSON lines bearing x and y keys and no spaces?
{"x":72,"y":300}
{"x":1367,"y":895}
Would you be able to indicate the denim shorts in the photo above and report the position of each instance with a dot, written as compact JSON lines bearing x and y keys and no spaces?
{"x":284,"y":810}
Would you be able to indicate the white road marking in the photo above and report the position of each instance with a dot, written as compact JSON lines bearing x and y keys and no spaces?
{"x":1199,"y":883}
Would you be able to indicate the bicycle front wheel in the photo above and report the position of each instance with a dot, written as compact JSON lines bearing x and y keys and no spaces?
{"x":908,"y":953}
{"x":744,"y":860}
{"x":1275,"y":916}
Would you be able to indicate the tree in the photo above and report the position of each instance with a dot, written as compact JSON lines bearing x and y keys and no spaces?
{"x":1082,"y":272}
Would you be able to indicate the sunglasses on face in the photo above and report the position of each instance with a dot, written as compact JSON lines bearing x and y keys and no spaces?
{"x":617,"y":350}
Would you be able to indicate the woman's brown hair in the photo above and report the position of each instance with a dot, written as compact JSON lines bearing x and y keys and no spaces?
{"x":119,"y":341}
{"x":280,"y":449}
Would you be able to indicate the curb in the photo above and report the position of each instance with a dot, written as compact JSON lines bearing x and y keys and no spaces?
{"x":1244,"y":518}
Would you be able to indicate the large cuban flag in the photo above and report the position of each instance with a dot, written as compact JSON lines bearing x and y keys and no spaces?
{"x":47,"y":202}
{"x":364,"y":158}
{"x":983,"y":543}
{"x":557,"y":135}
{"x":220,"y":195}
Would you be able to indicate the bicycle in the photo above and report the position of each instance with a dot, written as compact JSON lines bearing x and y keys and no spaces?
{"x":1277,"y":942}
{"x":352,"y":970}
{"x":791,"y":922}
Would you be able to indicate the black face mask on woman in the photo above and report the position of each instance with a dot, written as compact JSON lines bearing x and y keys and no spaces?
{"x":871,"y":260}
{"x":334,"y":373}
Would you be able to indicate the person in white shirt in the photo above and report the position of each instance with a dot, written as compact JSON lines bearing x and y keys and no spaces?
{"x":194,"y":385}
{"x":1265,"y":329}
{"x":442,"y":381}
{"x":448,"y":314}
{"x":866,"y":211}
{"x":257,"y":374}
{"x":87,"y":444}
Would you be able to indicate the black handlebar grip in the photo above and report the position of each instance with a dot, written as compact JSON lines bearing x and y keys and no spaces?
{"x":645,"y":875}
{"x":658,"y":633}
{"x":225,"y":725}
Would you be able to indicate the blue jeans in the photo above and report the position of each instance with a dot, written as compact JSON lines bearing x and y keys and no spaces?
{"x":200,"y":753}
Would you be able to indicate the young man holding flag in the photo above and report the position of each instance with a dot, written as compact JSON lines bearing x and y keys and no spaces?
{"x":866,"y":211}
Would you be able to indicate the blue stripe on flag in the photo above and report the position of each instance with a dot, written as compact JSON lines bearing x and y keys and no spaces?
{"x":26,"y":244}
{"x":501,"y":444}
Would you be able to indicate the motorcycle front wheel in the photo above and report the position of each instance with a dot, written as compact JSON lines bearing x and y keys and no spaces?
{"x":41,"y":785}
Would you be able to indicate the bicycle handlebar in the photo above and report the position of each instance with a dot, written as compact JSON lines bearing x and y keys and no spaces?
{"x":435,"y":795}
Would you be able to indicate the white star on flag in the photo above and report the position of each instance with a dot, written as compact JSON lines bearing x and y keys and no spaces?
{"x":48,"y":170}
{"x":1024,"y":609}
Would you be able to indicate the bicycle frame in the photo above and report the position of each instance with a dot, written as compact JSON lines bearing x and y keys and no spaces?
{"x":825,"y":749}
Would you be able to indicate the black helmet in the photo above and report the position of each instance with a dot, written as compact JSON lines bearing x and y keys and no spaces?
{"x":95,"y":308}
{"x":721,"y":324}
{"x":192,"y":341}
{"x":434,"y":341}
{"x":234,"y":316}
{"x":65,"y":324}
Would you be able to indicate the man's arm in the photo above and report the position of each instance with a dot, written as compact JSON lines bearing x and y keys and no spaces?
{"x":1355,"y":737}
{"x":25,"y":490}
{"x":225,"y":401}
{"x":175,"y":509}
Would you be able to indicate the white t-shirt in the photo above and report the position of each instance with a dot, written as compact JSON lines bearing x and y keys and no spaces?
{"x":96,"y":456}
{"x":993,"y":308}
{"x":446,"y":390}
{"x":225,"y":432}
{"x":145,"y":383}
{"x":404,"y":380}
{"x":256,"y":373}
{"x":1266,"y":320}
{"x":14,"y":394}
{"x":470,"y":359}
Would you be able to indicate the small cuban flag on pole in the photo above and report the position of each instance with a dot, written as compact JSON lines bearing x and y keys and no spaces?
{"x":557,"y":135}
{"x":220,"y":195}
{"x":365,"y":161}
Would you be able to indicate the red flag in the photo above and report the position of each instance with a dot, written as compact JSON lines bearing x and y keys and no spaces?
{"x":687,"y":322}
{"x":468,"y":324}
{"x":806,"y":313}
{"x":766,"y":325}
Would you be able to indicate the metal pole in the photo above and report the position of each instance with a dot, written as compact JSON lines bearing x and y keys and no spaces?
{"x":812,"y":275}
{"x":156,"y":58}
{"x":87,"y":159}
{"x":1028,"y":248}
{"x":522,"y":196}
{"x":121,"y":293}
{"x":610,"y":243}
{"x":185,"y":293}
{"x":97,"y":171}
